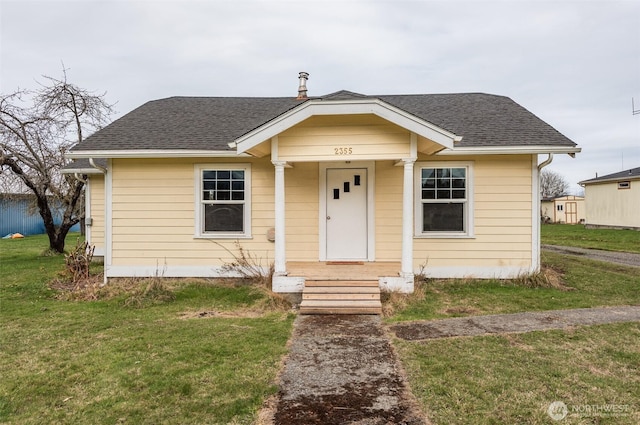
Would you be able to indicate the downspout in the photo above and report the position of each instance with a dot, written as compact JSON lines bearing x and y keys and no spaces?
{"x":536,"y":218}
{"x":96,"y":166}
{"x":545,"y":162}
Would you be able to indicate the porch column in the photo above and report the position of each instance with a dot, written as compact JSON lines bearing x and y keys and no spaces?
{"x":280,"y":261}
{"x":407,"y":219}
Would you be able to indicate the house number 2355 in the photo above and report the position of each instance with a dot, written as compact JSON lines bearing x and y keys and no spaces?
{"x":343,"y":150}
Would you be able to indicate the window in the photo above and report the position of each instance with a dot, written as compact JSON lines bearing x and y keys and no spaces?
{"x":559,"y":207}
{"x":223,"y":200}
{"x":443,"y":199}
{"x":624,"y":185}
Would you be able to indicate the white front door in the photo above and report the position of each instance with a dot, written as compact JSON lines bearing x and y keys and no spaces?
{"x":347,"y":227}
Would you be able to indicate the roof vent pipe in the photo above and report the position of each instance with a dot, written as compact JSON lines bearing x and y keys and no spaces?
{"x":302,"y":89}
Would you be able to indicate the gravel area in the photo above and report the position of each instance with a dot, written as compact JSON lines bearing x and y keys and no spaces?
{"x":513,"y":323}
{"x":625,"y":258}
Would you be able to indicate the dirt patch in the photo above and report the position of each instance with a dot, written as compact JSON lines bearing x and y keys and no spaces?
{"x":343,"y":370}
{"x":208,"y":314}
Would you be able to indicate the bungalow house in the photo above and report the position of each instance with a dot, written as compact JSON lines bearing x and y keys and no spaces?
{"x":613,"y":201}
{"x":341,"y":186}
{"x":568,"y":209}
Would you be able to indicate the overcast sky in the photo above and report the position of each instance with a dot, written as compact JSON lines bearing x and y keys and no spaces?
{"x":575,"y":64}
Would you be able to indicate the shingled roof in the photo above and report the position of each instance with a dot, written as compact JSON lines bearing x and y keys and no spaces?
{"x":211,"y":123}
{"x":632,"y":174}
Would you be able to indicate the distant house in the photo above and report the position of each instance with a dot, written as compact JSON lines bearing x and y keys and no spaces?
{"x":18,"y":214}
{"x":613,"y":201}
{"x":567,"y":209}
{"x":361,"y":185}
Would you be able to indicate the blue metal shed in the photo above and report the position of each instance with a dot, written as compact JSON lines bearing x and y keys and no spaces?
{"x":16,"y":216}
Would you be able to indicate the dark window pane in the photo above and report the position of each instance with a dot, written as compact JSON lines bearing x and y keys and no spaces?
{"x":224,"y":218}
{"x":429,"y":183}
{"x":428,"y":194}
{"x":443,"y":217}
{"x":458,"y":183}
{"x":237,"y":185}
{"x":208,"y":195}
{"x":457,"y":194}
{"x":428,"y":173}
{"x":209,"y":185}
{"x":458,"y":172}
{"x":443,"y":172}
{"x":237,"y":175}
{"x":224,"y":174}
{"x":444,"y":183}
{"x":444,"y":194}
{"x":209,"y":175}
{"x":237,"y":196}
{"x":224,"y":185}
{"x":223,"y":195}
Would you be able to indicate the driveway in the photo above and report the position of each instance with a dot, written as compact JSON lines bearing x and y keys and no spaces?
{"x":625,"y":258}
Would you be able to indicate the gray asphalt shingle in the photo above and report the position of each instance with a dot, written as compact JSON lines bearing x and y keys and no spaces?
{"x":210,"y":123}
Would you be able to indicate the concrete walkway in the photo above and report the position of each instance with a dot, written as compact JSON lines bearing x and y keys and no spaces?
{"x":513,"y":323}
{"x":624,"y":258}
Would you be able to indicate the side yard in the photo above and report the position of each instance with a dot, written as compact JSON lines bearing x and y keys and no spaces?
{"x":578,"y":236}
{"x":586,"y":375}
{"x":208,"y":353}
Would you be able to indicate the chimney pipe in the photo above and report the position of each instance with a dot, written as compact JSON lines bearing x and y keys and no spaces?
{"x":302,"y":89}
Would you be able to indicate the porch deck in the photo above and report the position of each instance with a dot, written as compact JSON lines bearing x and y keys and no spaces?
{"x":327,"y":270}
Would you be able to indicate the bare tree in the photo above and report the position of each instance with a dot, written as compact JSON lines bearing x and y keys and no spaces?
{"x":36,"y":129}
{"x":552,"y":184}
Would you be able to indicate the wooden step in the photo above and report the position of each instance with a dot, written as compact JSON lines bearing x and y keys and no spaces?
{"x":370,"y":283}
{"x":341,"y":297}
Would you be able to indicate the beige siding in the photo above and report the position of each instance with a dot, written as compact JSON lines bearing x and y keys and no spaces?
{"x":502,"y":218}
{"x":352,"y":137}
{"x":606,"y":205}
{"x":388,"y":211}
{"x":302,"y":207}
{"x":153,"y":214}
{"x":97,"y":206}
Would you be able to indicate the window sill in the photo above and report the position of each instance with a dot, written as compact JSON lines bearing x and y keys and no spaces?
{"x":223,"y":236}
{"x":444,"y":236}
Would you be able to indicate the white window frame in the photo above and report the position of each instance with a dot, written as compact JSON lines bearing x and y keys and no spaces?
{"x":468,"y":204}
{"x":199,"y":204}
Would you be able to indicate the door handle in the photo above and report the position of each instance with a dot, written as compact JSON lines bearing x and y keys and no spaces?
{"x":328,"y":217}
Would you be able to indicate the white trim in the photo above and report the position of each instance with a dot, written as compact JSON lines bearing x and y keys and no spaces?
{"x":322,"y":222}
{"x":280,"y":261}
{"x":87,"y":212}
{"x":345,"y":107}
{"x":535,"y":214}
{"x":98,"y":251}
{"x":462,"y":272}
{"x":108,"y":214}
{"x":507,"y":150}
{"x":163,"y":270}
{"x":90,"y":170}
{"x":406,"y":269}
{"x":153,"y":153}
{"x":198,"y":232}
{"x":470,"y":190}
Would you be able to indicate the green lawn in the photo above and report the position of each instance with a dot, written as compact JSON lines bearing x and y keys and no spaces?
{"x":593,"y":284}
{"x":66,"y":362}
{"x":509,"y":379}
{"x":578,"y":236}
